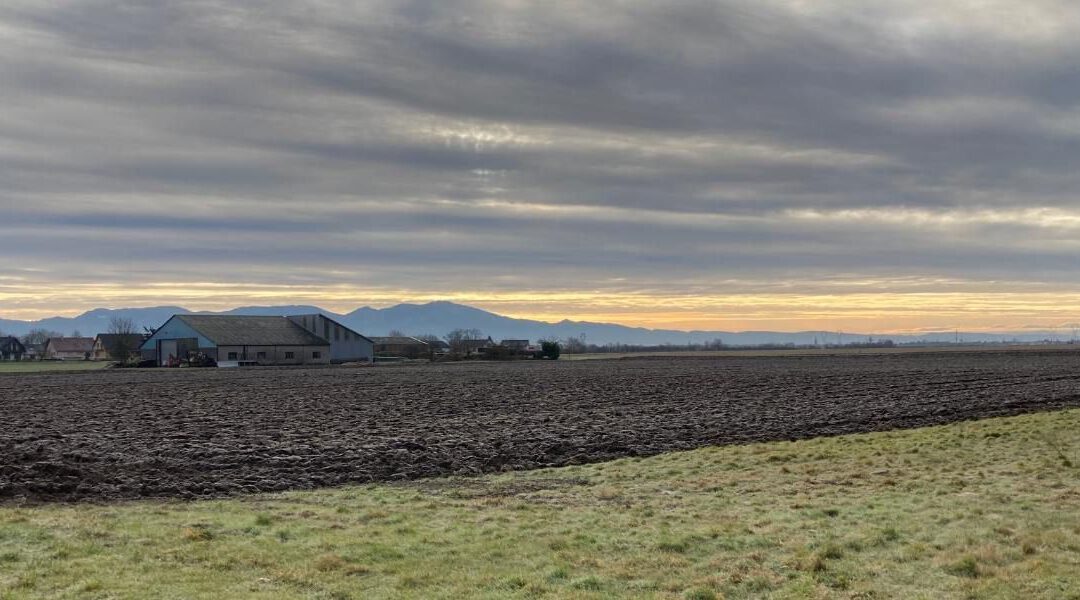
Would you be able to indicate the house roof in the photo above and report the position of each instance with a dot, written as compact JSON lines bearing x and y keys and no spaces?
{"x":438,"y":344}
{"x":70,"y":344}
{"x":110,"y":341}
{"x":242,"y":330}
{"x":399,"y":339}
{"x":477,"y":343}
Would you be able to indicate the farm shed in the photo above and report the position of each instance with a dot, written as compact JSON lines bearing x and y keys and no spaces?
{"x":401,"y":346}
{"x":228,"y":338}
{"x":521,"y":345}
{"x":438,"y":347}
{"x":11,"y":349}
{"x":476,"y":347}
{"x":346,"y":345}
{"x":111,"y":346}
{"x":68,"y":348}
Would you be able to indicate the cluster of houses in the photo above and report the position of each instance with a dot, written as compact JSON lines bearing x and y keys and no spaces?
{"x":234,"y":340}
{"x":105,"y":346}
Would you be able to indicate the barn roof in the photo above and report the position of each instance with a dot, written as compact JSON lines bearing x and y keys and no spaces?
{"x":70,"y":344}
{"x":237,"y":330}
{"x":399,"y":339}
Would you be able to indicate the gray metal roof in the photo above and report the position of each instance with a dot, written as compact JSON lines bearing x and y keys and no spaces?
{"x":237,"y":330}
{"x":399,"y":340}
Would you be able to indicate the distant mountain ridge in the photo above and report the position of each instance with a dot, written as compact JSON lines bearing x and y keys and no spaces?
{"x":441,"y":317}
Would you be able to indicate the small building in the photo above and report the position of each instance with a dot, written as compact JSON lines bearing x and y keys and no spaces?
{"x":116,"y":346}
{"x":438,"y":348}
{"x":346,"y":345}
{"x":68,"y":348}
{"x":401,"y":346}
{"x":477,"y":347}
{"x":517,"y":345}
{"x":11,"y":349}
{"x":236,"y":339}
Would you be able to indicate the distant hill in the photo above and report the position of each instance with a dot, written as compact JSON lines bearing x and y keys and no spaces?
{"x":439,"y":318}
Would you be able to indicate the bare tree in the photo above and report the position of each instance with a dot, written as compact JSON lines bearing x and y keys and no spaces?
{"x":396,"y":333}
{"x":124,"y":329}
{"x":457,"y":337}
{"x":574,"y":345}
{"x":37,"y":337}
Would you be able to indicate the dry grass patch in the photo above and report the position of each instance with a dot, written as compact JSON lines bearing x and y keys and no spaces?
{"x":985,"y":509}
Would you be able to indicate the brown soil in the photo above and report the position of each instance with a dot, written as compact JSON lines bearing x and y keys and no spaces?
{"x":196,"y":433}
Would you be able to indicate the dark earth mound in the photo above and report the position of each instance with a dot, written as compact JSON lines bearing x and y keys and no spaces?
{"x":203,"y":433}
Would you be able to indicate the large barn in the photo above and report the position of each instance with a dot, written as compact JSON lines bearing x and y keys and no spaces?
{"x":255,"y":340}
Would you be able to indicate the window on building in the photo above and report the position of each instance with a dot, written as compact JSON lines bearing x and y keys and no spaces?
{"x":316,"y":355}
{"x":260,"y":355}
{"x":337,"y":333}
{"x":289,"y":355}
{"x":326,"y":330}
{"x":232,"y":356}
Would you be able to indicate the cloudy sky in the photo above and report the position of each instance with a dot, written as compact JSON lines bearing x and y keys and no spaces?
{"x":724,"y":164}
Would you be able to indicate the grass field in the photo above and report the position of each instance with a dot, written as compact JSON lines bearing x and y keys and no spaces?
{"x":51,"y":366}
{"x":987,"y":509}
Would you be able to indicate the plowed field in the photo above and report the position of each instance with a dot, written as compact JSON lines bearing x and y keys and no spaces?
{"x":202,"y":433}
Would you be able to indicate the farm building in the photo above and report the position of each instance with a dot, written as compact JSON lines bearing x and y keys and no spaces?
{"x":68,"y":348}
{"x":295,"y":340}
{"x":238,"y":339}
{"x":11,"y":349}
{"x":476,"y":347}
{"x":116,"y":346}
{"x":346,"y":345}
{"x":401,"y":346}
{"x":520,"y":345}
{"x":438,"y":348}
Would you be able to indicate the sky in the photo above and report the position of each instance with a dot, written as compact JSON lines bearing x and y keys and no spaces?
{"x":892,"y":166}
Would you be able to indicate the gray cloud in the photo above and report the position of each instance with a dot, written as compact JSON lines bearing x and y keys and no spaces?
{"x":461,"y":142}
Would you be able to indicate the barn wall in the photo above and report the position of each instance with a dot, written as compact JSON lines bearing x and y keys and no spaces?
{"x":345,"y":344}
{"x":175,"y":329}
{"x":275,"y":355}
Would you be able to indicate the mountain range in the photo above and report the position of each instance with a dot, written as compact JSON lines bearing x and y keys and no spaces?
{"x":439,"y":318}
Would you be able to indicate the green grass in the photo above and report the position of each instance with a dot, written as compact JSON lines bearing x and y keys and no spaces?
{"x":51,"y":366}
{"x":987,"y":509}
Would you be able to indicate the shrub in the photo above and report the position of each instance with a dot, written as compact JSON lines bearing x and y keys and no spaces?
{"x":551,"y":350}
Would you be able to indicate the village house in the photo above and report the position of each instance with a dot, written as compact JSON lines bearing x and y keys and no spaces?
{"x":256,"y":340}
{"x":116,"y":346}
{"x":68,"y":348}
{"x":400,"y":346}
{"x":11,"y":349}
